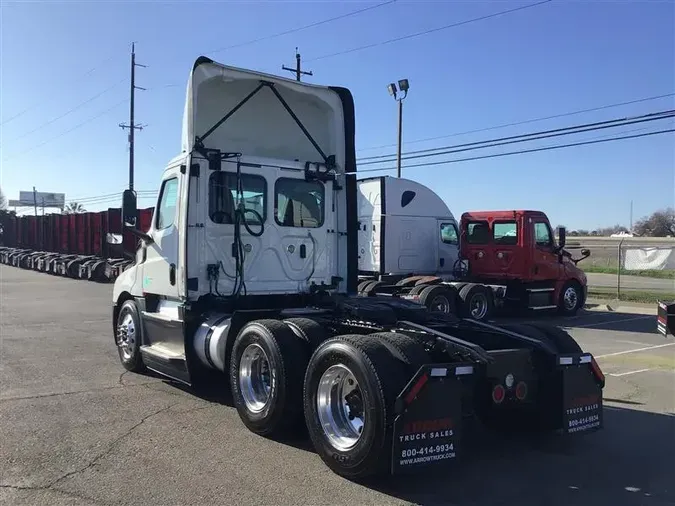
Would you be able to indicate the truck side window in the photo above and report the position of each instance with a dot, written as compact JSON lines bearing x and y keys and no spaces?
{"x":223,"y":197}
{"x":449,"y":233}
{"x":166,"y":210}
{"x":505,"y":232}
{"x":478,"y":232}
{"x":298,"y":203}
{"x":542,"y":234}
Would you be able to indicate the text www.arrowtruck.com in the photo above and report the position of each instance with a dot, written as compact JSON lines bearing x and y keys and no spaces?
{"x":427,"y":458}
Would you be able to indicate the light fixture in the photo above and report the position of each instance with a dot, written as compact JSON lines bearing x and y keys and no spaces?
{"x":403,"y":84}
{"x":392,"y":89}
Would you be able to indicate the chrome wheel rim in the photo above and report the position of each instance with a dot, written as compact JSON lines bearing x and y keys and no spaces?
{"x":440,"y":303}
{"x":255,"y":378}
{"x":478,"y":306}
{"x":570,"y":298}
{"x":339,"y":403}
{"x":126,"y":336}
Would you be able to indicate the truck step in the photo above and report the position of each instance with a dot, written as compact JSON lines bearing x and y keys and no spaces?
{"x":537,"y":308}
{"x":164,"y":361}
{"x":538,"y":290}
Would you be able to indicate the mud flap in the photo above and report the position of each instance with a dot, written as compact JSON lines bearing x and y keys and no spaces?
{"x":582,"y":383}
{"x":427,"y":427}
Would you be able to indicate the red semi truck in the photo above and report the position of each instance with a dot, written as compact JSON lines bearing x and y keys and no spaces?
{"x":412,"y":246}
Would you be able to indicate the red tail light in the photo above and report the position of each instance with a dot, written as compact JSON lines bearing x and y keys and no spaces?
{"x":521,"y":390}
{"x":498,"y":394}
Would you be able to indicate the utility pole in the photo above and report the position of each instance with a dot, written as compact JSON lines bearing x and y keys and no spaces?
{"x":298,"y":68}
{"x":35,"y":200}
{"x":131,"y":126}
{"x":631,"y":217}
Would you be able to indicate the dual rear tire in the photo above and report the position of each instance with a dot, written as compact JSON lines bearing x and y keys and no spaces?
{"x":341,"y":389}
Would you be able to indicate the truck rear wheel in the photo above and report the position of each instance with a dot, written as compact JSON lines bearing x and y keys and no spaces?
{"x":266,"y":374}
{"x":442,"y":298}
{"x":350,"y":388}
{"x":128,"y":337}
{"x":477,"y":301}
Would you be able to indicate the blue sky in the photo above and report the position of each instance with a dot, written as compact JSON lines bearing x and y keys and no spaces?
{"x":550,"y":59}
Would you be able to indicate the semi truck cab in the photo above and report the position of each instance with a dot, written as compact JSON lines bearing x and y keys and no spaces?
{"x":518,"y":248}
{"x":249,"y":270}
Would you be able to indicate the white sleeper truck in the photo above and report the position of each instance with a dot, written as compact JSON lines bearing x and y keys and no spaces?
{"x":249,"y":270}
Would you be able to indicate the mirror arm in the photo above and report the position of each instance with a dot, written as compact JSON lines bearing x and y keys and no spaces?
{"x":140,"y":234}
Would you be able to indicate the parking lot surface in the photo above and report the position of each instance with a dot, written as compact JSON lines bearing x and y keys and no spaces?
{"x":76,"y":430}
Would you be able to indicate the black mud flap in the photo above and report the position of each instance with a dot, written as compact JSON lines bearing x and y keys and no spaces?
{"x":427,"y":427}
{"x":582,"y":384}
{"x":665,"y":318}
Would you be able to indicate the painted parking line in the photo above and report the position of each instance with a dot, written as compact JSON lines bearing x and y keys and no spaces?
{"x":634,"y":350}
{"x":609,"y":322}
{"x":618,"y":375}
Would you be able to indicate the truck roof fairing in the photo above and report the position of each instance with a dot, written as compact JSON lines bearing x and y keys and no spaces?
{"x":263,"y":124}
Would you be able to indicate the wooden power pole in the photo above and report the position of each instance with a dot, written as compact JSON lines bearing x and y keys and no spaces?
{"x":132,"y":126}
{"x":298,"y":68}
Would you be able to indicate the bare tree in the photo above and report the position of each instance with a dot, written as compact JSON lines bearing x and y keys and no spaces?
{"x":74,"y":208}
{"x":3,"y":200}
{"x":661,"y":223}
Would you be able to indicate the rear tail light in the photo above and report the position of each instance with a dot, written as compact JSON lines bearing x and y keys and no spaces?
{"x":498,"y":394}
{"x":521,"y":390}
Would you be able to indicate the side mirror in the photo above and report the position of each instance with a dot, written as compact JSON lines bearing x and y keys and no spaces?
{"x":562,"y":237}
{"x":129,"y":209}
{"x":113,"y":238}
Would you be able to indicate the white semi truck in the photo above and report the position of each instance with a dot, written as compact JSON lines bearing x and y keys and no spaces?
{"x":411,"y":246}
{"x":249,"y":270}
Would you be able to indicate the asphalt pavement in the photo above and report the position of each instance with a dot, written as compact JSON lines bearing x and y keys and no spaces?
{"x":77,"y":430}
{"x":639,"y":283}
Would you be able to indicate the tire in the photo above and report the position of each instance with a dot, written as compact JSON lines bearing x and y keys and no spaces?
{"x":477,"y":301}
{"x":405,"y":348}
{"x":409,"y":281}
{"x":128,"y":337}
{"x":371,"y":287}
{"x":442,"y":298}
{"x":417,"y":289}
{"x":563,"y":342}
{"x":378,"y":377}
{"x":362,"y":285}
{"x":275,"y":411}
{"x":570,"y":299}
{"x":308,"y":330}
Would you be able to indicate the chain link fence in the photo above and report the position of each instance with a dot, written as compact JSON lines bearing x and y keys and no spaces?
{"x":629,"y":264}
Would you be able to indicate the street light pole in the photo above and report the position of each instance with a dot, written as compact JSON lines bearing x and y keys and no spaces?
{"x":400,"y":138}
{"x":403,"y":85}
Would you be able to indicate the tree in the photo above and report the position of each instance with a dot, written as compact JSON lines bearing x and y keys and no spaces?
{"x":661,"y":223}
{"x":74,"y":208}
{"x":3,"y":200}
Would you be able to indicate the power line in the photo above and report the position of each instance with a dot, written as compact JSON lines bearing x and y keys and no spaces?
{"x":71,"y":110}
{"x":557,"y":132}
{"x":91,"y":70}
{"x":79,"y":125}
{"x":534,"y":120}
{"x":427,"y":32}
{"x":524,"y":151}
{"x":305,"y":27}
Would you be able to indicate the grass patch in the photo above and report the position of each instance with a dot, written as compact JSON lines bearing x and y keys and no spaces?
{"x":630,"y":296}
{"x":665,"y":274}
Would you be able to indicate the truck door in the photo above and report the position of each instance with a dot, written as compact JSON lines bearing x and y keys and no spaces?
{"x":160,"y":269}
{"x":545,"y":265}
{"x":448,"y":246}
